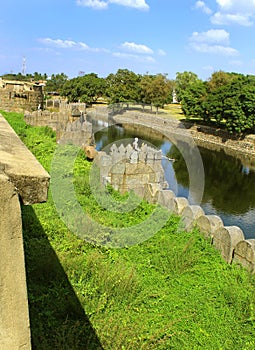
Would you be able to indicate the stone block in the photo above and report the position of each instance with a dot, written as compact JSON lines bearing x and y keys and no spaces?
{"x":118,"y":168}
{"x":190,"y":216}
{"x":142,"y":156}
{"x":179,"y":204}
{"x":157,"y":166}
{"x":116,"y":179}
{"x":104,"y":160}
{"x":129,"y":150}
{"x":139,"y":191}
{"x":150,"y":155}
{"x":113,"y":149}
{"x":116,"y":158}
{"x":165,"y":198}
{"x":138,"y":168}
{"x":153,"y":178}
{"x":244,"y":254}
{"x":208,"y":224}
{"x":151,"y":192}
{"x":136,"y":180}
{"x":225,"y":240}
{"x":134,"y":157}
{"x":122,"y":151}
{"x":14,"y":320}
{"x":21,"y":166}
{"x":158,"y":155}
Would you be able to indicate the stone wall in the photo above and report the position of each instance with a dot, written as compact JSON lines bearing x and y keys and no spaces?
{"x":22,"y":178}
{"x":70,"y":125}
{"x":228,"y":240}
{"x":20,"y":96}
{"x":126,"y":168}
{"x":208,"y":137}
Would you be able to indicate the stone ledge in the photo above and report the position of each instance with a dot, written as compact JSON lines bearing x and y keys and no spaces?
{"x":21,"y":166}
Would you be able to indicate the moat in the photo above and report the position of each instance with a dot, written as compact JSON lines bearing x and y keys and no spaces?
{"x":229,"y":183}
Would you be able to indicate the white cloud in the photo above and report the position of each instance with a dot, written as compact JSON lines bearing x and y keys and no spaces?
{"x":214,"y":49}
{"x":243,"y":6}
{"x":211,"y":36}
{"x":214,"y":41}
{"x":70,"y":44}
{"x":234,"y":12}
{"x":96,"y":4}
{"x":145,"y":59}
{"x":228,"y":18}
{"x":64,"y":44}
{"x":138,"y":48}
{"x":202,"y":6}
{"x":101,"y":5}
{"x":138,"y":4}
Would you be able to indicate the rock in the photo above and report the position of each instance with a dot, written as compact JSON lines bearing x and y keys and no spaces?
{"x":90,"y":152}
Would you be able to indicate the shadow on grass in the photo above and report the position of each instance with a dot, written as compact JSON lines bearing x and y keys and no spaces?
{"x":57,"y":318}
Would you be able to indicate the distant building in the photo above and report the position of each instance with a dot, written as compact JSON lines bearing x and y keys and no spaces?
{"x":19,"y":95}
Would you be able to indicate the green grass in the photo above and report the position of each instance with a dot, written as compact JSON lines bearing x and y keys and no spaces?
{"x":174,"y":110}
{"x":173,"y":291}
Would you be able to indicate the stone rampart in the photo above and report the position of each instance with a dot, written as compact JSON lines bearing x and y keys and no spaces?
{"x":127,"y":168}
{"x":70,"y":125}
{"x":22,"y":178}
{"x":20,"y":96}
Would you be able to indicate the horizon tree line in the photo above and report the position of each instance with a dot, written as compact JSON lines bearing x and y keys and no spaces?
{"x":225,"y":99}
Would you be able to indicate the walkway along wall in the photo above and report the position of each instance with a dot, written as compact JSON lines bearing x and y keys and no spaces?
{"x":22,"y":178}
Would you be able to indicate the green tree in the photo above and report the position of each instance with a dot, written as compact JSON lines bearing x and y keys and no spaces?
{"x":56,"y":83}
{"x":218,"y":79}
{"x":84,"y":89}
{"x":182,"y":82}
{"x":193,"y":100}
{"x":233,"y":104}
{"x":156,"y":90}
{"x":123,"y":86}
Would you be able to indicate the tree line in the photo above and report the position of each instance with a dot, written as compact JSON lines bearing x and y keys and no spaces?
{"x":225,"y":99}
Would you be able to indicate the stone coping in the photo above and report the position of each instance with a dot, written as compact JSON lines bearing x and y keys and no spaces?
{"x":21,"y":166}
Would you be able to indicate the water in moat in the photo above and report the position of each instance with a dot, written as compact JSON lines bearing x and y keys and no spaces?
{"x":229,"y":189}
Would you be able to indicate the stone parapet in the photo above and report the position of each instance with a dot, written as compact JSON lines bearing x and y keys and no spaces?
{"x":21,"y":178}
{"x":127,"y":168}
{"x":21,"y":166}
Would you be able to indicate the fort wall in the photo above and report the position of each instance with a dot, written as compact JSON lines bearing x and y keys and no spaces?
{"x":20,"y":96}
{"x":22,"y":179}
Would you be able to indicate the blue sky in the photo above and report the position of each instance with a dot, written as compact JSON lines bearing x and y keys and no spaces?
{"x":101,"y":36}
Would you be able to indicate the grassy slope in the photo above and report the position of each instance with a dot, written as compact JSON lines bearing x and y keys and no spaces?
{"x":171,"y":292}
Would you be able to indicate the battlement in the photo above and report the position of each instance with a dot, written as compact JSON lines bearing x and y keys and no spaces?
{"x":127,"y":168}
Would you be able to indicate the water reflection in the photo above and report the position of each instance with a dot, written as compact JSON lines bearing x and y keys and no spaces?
{"x":229,"y":184}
